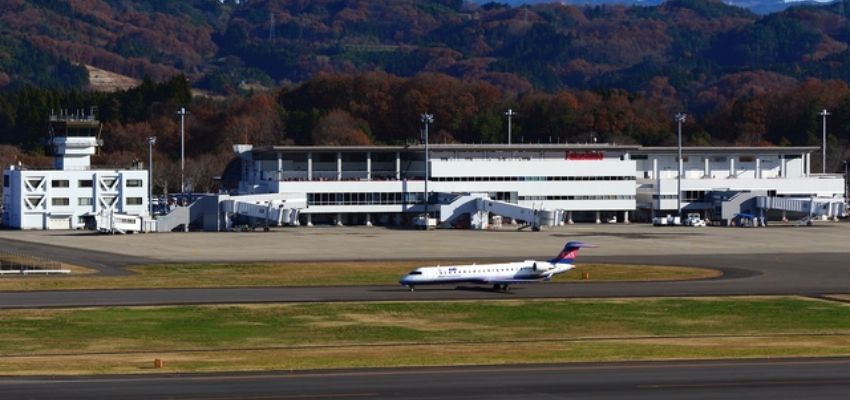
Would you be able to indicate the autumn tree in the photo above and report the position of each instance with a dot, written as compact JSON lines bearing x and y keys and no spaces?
{"x":339,"y":128}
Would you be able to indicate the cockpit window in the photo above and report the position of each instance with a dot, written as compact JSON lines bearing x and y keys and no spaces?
{"x":415,"y":273}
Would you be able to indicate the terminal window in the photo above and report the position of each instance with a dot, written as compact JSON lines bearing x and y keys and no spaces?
{"x":60,"y":183}
{"x":134,"y":183}
{"x":85,"y":183}
{"x":134,"y":201}
{"x":60,"y":201}
{"x":84,"y":201}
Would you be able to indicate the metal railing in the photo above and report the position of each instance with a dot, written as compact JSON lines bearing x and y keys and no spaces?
{"x":16,"y":263}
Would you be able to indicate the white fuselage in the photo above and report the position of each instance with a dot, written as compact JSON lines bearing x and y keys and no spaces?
{"x":503,"y":273}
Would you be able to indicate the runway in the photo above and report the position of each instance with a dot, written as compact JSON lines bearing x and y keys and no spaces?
{"x":744,"y":274}
{"x":827,"y":378}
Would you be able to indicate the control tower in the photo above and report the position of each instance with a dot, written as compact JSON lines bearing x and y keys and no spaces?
{"x":74,"y":139}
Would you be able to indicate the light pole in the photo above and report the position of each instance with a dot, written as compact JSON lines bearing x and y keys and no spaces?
{"x":846,"y":184}
{"x":680,"y":118}
{"x":510,"y":113}
{"x":182,"y":113}
{"x":426,"y":119}
{"x":824,"y":114}
{"x":151,"y":142}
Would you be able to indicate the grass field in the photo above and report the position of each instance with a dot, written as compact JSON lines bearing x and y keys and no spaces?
{"x":339,"y":335}
{"x":308,"y":274}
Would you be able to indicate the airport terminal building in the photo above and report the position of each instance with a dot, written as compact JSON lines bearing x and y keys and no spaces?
{"x":585,"y":182}
{"x":386,"y":184}
{"x":467,"y":186}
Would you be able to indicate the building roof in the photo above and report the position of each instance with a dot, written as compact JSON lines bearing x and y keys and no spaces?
{"x":728,"y":149}
{"x":539,"y":147}
{"x":451,"y":147}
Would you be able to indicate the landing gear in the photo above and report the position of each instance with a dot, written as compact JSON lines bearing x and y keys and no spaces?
{"x":500,"y":287}
{"x":411,"y":288}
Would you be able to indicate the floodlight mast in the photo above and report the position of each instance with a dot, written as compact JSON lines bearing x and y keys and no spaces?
{"x":510,"y":113}
{"x":680,"y":119}
{"x":151,"y":142}
{"x":846,"y":196}
{"x":824,"y":114}
{"x":182,"y":113}
{"x":426,"y":119}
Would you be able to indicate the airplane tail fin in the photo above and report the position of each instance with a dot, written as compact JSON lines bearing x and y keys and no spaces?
{"x":569,"y":253}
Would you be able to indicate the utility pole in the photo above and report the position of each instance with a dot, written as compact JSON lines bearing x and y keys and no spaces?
{"x":426,"y":119}
{"x":680,"y":118}
{"x":182,"y":114}
{"x":510,"y":113}
{"x":151,"y":142}
{"x":824,"y":114}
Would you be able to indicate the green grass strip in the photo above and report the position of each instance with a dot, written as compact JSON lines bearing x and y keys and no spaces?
{"x":384,"y":334}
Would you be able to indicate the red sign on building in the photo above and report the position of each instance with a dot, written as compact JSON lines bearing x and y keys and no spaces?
{"x":584,"y":155}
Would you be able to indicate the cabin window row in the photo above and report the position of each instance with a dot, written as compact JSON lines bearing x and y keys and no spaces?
{"x":580,"y":197}
{"x":478,"y":271}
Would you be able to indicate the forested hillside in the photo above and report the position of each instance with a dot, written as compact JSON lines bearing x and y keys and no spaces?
{"x":358,"y":72}
{"x":222,"y":44}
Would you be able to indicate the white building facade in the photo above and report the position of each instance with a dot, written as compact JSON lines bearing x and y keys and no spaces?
{"x":779,"y":171}
{"x":386,"y":184}
{"x":69,"y":199}
{"x":72,"y":194}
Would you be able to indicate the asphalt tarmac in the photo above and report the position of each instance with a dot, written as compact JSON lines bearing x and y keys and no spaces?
{"x":744,"y":274}
{"x":812,"y":379}
{"x":100,"y":260}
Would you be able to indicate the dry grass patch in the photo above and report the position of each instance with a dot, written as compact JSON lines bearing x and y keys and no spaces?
{"x":429,"y":355}
{"x":618,"y":272}
{"x":839,"y":297}
{"x":413,"y":321}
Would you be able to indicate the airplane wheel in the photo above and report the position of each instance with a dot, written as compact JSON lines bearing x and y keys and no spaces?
{"x":411,"y":288}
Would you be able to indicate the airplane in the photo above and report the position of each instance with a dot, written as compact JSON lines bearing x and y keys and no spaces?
{"x":499,"y":275}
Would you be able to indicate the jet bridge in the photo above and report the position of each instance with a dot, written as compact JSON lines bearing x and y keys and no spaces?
{"x":479,"y":206}
{"x":266,"y":210}
{"x":112,"y":222}
{"x":812,"y":207}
